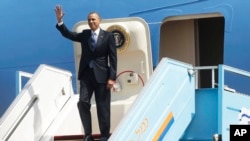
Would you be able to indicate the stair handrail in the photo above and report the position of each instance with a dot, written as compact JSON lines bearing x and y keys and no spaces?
{"x":196,"y":71}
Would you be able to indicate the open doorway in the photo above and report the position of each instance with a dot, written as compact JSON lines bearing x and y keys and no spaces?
{"x":195,"y":39}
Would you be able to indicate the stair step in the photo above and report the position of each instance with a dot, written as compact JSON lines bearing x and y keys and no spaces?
{"x":75,"y":137}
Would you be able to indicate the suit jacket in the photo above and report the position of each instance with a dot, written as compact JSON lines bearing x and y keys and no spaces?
{"x":104,"y":56}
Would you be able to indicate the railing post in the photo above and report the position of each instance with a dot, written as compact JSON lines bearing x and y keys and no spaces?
{"x":221,"y":73}
{"x":19,"y":75}
{"x":213,"y":78}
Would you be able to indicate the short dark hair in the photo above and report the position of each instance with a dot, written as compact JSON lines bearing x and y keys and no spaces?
{"x":93,"y":12}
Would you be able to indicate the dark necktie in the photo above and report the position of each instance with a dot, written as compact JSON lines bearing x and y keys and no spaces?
{"x":93,"y":39}
{"x":93,"y":43}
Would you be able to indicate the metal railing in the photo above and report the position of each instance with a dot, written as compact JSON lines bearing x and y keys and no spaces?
{"x":196,"y":73}
{"x":219,"y":71}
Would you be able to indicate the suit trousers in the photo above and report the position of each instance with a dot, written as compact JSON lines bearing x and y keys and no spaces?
{"x":88,"y":86}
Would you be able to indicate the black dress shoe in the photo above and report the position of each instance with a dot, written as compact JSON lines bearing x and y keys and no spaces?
{"x":88,"y":138}
{"x":103,"y":139}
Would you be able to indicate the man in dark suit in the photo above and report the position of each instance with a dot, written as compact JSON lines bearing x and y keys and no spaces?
{"x":97,"y":71}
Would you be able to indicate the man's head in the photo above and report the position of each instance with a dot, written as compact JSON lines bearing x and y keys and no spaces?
{"x":94,"y":20}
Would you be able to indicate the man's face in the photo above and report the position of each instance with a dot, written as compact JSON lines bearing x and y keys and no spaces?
{"x":93,"y":21}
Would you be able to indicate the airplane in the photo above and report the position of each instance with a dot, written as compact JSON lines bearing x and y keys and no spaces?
{"x":197,"y":32}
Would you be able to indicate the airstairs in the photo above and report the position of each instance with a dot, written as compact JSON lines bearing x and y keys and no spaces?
{"x":169,"y":107}
{"x":37,"y":106}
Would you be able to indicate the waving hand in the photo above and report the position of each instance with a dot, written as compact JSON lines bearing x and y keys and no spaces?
{"x":59,"y":13}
